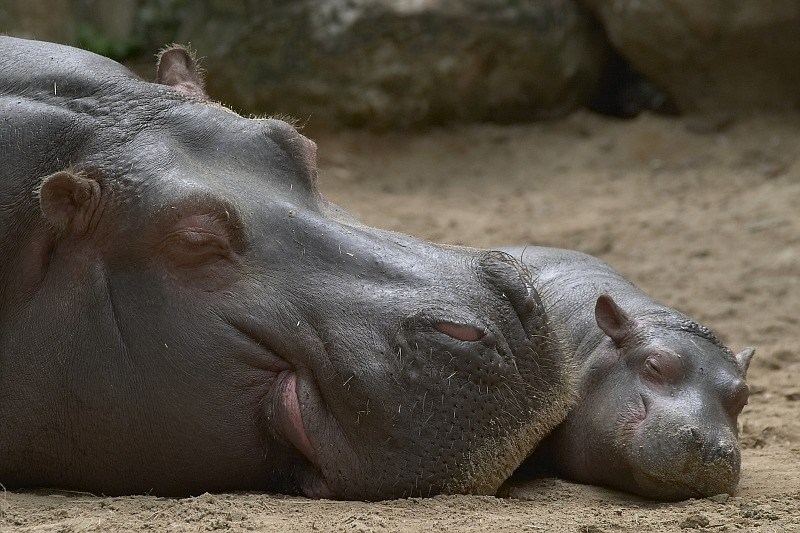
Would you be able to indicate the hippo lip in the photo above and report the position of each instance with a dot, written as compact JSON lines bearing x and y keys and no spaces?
{"x":287,"y":385}
{"x":672,"y":487}
{"x":290,"y":422}
{"x":666,"y":484}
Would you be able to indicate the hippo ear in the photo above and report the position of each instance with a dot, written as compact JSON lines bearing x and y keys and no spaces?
{"x":743,"y":359}
{"x":67,"y":200}
{"x":178,"y":68}
{"x":612,"y":319}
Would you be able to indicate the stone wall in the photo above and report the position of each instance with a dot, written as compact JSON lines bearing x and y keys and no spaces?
{"x":711,"y":55}
{"x":401,"y":63}
{"x":407,"y":63}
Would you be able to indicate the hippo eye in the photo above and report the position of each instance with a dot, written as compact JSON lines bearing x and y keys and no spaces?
{"x":663,"y":367}
{"x":652,"y":368}
{"x":197,"y":240}
{"x":196,"y":248}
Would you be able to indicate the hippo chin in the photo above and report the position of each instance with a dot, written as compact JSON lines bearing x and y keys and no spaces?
{"x":659,"y":394}
{"x":182,"y":311}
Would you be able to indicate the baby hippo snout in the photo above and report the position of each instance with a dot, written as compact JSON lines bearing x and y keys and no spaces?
{"x":706,"y":464}
{"x":723,"y":450}
{"x":713,"y":449}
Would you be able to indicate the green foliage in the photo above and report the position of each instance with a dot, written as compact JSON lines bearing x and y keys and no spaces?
{"x":95,"y":40}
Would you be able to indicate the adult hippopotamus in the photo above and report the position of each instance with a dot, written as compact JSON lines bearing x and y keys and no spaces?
{"x":181,"y":310}
{"x":659,"y":394}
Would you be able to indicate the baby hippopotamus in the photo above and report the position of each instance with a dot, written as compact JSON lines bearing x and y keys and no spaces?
{"x":659,"y":394}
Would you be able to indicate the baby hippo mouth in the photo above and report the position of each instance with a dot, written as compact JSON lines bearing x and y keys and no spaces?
{"x":688,"y":465}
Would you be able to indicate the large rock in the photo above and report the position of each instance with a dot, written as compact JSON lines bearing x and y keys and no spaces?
{"x":398,"y":63}
{"x":711,"y":55}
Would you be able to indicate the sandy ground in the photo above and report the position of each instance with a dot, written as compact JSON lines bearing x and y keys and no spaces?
{"x":705,"y":220}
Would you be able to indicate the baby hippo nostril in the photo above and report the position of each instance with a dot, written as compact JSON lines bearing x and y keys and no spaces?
{"x":723,"y":451}
{"x":461,"y":332}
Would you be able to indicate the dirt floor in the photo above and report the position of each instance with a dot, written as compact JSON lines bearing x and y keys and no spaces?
{"x":707,"y":219}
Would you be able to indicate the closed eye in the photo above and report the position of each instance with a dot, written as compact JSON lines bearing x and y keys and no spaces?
{"x":197,"y":240}
{"x":195,"y":246}
{"x":651,"y":365}
{"x":652,"y":370}
{"x":663,"y":366}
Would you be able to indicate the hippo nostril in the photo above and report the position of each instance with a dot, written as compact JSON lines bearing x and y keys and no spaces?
{"x":461,"y":332}
{"x":723,"y":451}
{"x":512,"y":280}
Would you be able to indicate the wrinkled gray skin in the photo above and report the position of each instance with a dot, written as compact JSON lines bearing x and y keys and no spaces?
{"x":659,"y":395}
{"x":181,"y":311}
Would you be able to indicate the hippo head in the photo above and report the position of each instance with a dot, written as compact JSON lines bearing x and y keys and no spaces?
{"x":658,"y":410}
{"x":183,"y":311}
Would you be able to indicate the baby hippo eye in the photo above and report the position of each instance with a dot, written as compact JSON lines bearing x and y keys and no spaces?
{"x":652,"y":368}
{"x":663,"y":367}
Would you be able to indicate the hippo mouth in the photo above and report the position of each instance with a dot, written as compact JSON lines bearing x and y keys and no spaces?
{"x":288,"y":424}
{"x":664,"y":489}
{"x":289,"y":420}
{"x":289,"y":391}
{"x":331,"y":419}
{"x":691,"y":478}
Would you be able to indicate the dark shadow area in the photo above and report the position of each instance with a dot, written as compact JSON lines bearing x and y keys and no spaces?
{"x":624,"y":93}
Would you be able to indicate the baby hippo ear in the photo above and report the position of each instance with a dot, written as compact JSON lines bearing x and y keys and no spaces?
{"x":743,"y":359}
{"x":178,"y":69}
{"x":67,"y":200}
{"x":612,"y":319}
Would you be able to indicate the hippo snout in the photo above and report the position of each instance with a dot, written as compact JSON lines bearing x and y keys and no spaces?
{"x":713,"y":449}
{"x":512,"y":284}
{"x":693,"y":463}
{"x":508,"y":310}
{"x":510,"y":278}
{"x":723,"y":450}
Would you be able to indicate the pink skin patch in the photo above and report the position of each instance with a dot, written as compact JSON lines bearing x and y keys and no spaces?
{"x":459,"y":332}
{"x":297,"y":434}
